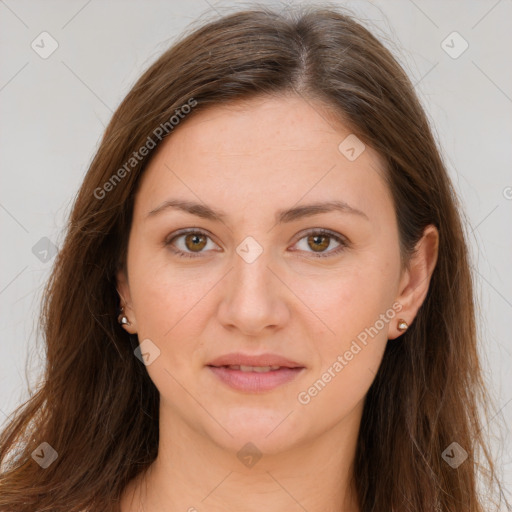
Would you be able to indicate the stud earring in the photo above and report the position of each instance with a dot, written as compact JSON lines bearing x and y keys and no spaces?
{"x":402,"y":325}
{"x":122,"y":319}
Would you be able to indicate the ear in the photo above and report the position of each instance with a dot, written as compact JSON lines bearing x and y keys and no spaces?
{"x":123,"y":289}
{"x":415,"y":279}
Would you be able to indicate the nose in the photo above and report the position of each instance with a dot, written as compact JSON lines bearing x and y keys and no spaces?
{"x":253,"y":297}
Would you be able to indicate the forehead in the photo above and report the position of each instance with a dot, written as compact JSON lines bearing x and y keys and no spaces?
{"x":262,"y":151}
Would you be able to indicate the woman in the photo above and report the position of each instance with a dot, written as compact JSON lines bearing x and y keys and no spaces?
{"x":264,"y":298}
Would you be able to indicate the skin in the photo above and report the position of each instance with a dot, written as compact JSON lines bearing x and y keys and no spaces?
{"x":251,"y":159}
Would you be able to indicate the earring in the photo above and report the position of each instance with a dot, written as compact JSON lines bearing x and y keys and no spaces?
{"x":402,"y":325}
{"x":122,"y":318}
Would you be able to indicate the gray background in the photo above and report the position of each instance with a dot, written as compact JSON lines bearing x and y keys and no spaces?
{"x":53,"y":112}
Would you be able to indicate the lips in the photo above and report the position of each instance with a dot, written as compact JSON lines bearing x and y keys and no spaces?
{"x":254,"y":374}
{"x":258,"y":369}
{"x":244,"y":361}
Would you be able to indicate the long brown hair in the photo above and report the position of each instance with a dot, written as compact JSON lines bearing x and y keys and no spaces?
{"x":97,"y":407}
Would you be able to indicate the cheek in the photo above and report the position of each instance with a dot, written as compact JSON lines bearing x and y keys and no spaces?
{"x":351,"y":298}
{"x":355,"y":305}
{"x":172,"y":308}
{"x":341,"y":385}
{"x":162,"y":292}
{"x":357,"y":310}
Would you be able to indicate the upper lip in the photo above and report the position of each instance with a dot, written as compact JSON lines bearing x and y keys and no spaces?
{"x":238,"y":359}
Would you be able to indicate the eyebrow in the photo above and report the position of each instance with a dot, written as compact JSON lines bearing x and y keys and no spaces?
{"x":282,"y":216}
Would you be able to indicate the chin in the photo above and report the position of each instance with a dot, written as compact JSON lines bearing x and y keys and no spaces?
{"x":270,"y":431}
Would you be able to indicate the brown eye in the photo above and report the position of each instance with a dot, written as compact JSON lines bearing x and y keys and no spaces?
{"x":321,"y":243}
{"x":190,"y":244}
{"x":195,"y":241}
{"x":318,"y":242}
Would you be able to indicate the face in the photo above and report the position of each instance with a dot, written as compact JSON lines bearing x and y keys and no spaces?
{"x":254,"y":269}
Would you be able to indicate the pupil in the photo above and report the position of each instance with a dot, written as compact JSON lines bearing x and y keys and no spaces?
{"x":317,"y":240}
{"x":194,"y":241}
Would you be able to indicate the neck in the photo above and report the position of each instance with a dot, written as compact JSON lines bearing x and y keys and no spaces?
{"x":192,"y":473}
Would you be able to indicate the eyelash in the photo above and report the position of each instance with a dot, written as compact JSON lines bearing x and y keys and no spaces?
{"x":318,"y":232}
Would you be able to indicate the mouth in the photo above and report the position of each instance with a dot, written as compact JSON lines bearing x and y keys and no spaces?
{"x":257,"y":369}
{"x":254,"y":374}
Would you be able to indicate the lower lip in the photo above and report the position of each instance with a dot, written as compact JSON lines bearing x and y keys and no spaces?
{"x":253,"y":381}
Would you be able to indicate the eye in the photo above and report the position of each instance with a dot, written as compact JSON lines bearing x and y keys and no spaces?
{"x":319,"y":240}
{"x":189,"y":242}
